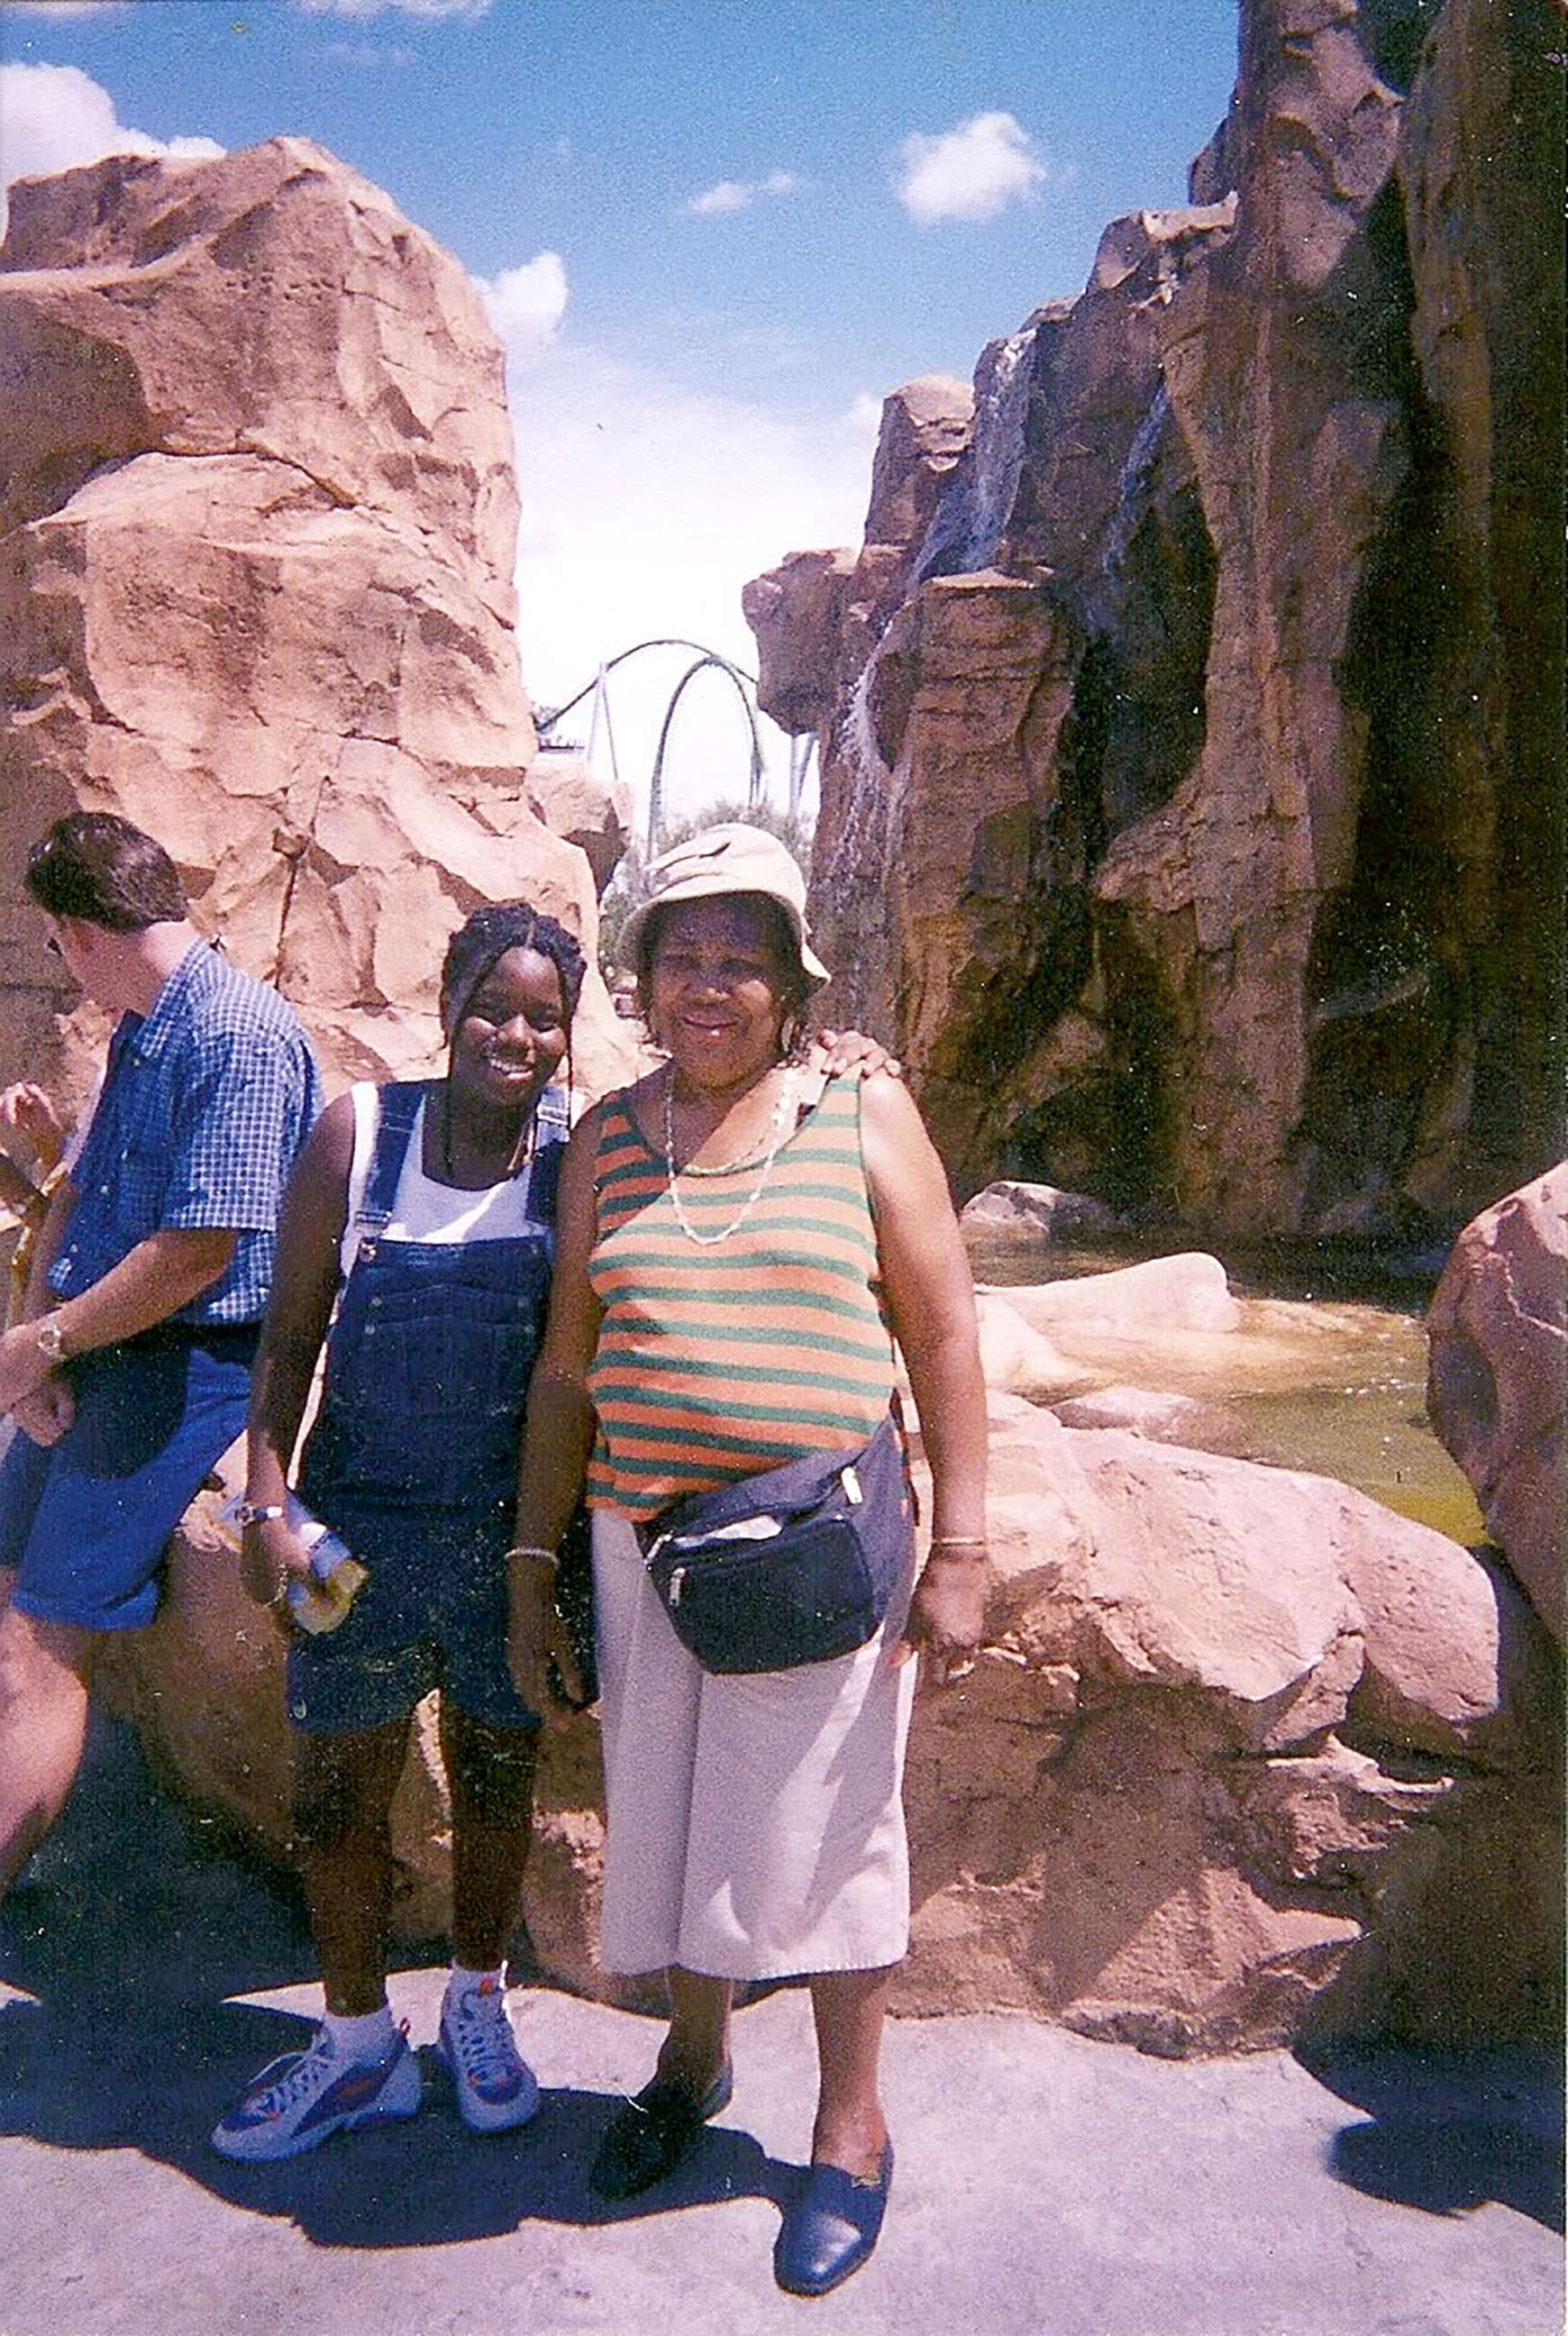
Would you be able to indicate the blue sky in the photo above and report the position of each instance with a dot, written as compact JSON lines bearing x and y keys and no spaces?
{"x":713,"y":233}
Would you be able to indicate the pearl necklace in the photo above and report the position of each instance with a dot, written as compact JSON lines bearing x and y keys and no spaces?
{"x":776,"y":1137}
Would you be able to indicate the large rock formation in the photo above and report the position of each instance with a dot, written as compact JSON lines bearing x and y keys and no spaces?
{"x":1245,"y":1757}
{"x":258,"y":522}
{"x":1246,"y":1754}
{"x":1497,"y":1385}
{"x":1193,"y":822}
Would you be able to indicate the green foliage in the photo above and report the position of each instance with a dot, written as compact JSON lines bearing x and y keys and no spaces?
{"x":628,"y":887}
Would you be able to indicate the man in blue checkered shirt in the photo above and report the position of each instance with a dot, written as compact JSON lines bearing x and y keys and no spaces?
{"x":130,"y":1371}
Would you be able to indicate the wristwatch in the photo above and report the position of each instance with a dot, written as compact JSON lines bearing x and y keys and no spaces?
{"x":258,"y":1513}
{"x":51,"y":1339}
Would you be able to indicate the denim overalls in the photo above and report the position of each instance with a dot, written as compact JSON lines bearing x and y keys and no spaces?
{"x":413,"y":1457}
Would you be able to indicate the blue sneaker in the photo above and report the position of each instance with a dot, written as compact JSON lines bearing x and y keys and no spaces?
{"x":306,"y":2096}
{"x":495,"y":2084}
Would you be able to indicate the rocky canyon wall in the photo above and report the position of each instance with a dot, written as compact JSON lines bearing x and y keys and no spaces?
{"x":258,"y":521}
{"x":1190,"y":720}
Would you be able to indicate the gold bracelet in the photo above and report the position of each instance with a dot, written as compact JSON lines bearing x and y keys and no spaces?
{"x":961,"y":1541}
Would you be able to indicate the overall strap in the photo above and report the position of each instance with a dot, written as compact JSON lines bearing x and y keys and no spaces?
{"x":551,"y":1127}
{"x":399,"y":1108}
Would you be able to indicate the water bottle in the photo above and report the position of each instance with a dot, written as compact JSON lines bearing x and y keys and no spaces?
{"x":318,"y":1601}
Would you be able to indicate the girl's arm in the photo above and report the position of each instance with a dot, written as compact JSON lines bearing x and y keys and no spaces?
{"x":557,"y":1433}
{"x":304,"y":1288}
{"x":931,"y":1303}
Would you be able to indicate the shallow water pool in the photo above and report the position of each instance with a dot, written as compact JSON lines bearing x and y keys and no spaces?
{"x":1337,"y":1386}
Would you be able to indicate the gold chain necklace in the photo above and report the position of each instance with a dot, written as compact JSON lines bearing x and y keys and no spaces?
{"x":776,"y":1137}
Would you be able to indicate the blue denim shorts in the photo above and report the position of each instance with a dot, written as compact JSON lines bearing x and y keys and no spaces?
{"x":431,"y":1613}
{"x":85,"y":1520}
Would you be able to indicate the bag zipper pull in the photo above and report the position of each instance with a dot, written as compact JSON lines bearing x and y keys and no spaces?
{"x":852,"y":1485}
{"x":676,"y":1579}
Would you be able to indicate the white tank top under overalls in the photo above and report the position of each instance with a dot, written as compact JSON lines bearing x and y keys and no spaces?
{"x":423,"y":1210}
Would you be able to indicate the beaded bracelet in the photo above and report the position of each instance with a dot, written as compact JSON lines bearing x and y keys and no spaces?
{"x":530,"y":1549}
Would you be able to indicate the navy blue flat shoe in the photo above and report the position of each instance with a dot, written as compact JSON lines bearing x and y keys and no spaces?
{"x":831,"y":2228}
{"x":647,"y":2137}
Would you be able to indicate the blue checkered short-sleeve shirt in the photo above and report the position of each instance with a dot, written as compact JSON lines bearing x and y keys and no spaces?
{"x":207,"y":1101}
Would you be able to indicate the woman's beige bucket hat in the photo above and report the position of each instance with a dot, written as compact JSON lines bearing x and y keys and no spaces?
{"x":721,"y":860}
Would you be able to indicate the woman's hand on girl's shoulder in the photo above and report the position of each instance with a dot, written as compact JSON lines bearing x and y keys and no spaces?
{"x":835,"y":1052}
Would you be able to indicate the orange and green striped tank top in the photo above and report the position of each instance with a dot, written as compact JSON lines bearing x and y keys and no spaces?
{"x":716,"y":1361}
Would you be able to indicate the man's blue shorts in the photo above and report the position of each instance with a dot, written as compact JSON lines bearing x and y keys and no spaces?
{"x":432,"y":1614}
{"x":85,"y":1520}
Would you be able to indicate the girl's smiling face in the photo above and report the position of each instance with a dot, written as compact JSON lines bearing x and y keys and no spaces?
{"x":509,"y":1035}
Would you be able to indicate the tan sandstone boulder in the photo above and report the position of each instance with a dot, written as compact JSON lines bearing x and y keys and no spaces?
{"x":1187,"y":1292}
{"x":256,"y":530}
{"x":1497,"y":1381}
{"x":590,"y":810}
{"x":1011,"y":1205}
{"x":1238,"y":1737}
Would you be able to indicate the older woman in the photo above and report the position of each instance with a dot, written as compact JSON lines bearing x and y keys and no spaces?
{"x":734,"y":1236}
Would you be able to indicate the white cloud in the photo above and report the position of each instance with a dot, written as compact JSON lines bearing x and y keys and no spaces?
{"x":738,"y":194}
{"x":862,"y":417}
{"x":428,"y":9}
{"x":970,"y":173}
{"x":646,"y":506}
{"x":54,"y":117}
{"x":527,"y":304}
{"x":730,"y":195}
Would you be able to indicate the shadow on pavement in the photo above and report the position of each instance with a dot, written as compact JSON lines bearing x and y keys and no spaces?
{"x":1449,"y":2131}
{"x":129,"y":1932}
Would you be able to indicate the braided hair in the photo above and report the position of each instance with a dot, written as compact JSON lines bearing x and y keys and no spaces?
{"x":488,"y":934}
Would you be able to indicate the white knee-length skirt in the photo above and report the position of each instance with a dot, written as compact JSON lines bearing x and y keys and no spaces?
{"x":755,"y":1823}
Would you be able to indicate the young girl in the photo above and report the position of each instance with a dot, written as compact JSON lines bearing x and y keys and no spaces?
{"x":423,"y":1213}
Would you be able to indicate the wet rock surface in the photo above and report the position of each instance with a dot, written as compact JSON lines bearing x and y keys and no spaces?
{"x":1193,"y":816}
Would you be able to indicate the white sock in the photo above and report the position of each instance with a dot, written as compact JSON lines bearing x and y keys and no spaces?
{"x":363,"y":2035}
{"x":463,"y":1981}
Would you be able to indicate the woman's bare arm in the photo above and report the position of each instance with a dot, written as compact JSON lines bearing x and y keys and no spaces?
{"x":932,"y":1303}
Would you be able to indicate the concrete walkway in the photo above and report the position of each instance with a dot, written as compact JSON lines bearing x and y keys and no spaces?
{"x":1047,"y":2186}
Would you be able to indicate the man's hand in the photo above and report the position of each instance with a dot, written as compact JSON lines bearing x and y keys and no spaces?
{"x":26,"y":1111}
{"x":46,"y":1414}
{"x":24,"y":1365}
